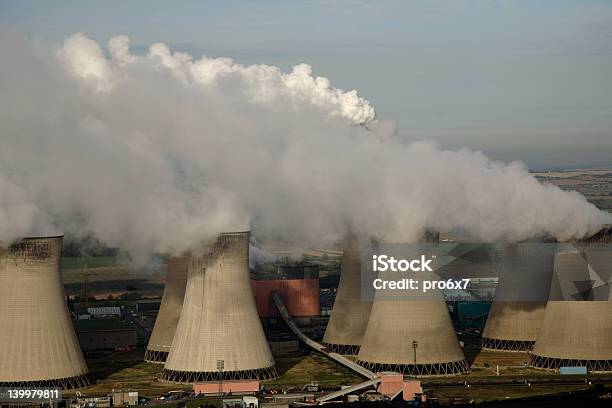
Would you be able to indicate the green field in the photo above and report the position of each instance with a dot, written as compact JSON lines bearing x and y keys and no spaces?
{"x":104,"y":276}
{"x":127,"y":370}
{"x":296,"y":371}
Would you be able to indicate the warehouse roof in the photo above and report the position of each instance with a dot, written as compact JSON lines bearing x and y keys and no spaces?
{"x":105,"y":310}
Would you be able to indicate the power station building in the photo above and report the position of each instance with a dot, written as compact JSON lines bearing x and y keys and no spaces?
{"x":95,"y":335}
{"x":298,"y":287}
{"x":38,"y":345}
{"x":516,"y":315}
{"x":219,"y":335}
{"x":169,"y":311}
{"x":350,"y":314}
{"x":577,"y":325}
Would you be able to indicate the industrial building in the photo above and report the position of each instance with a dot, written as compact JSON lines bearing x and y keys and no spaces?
{"x":297,"y":285}
{"x":219,"y":334}
{"x":169,"y":311}
{"x":105,"y":335}
{"x":577,"y":325}
{"x":151,"y":306}
{"x":516,"y":315}
{"x":38,"y":345}
{"x":470,"y":316}
{"x":350,"y":314}
{"x":106,"y":312}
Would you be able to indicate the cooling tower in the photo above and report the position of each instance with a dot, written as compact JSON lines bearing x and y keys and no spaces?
{"x":412,"y":335}
{"x":577,"y":332}
{"x":516,"y":314}
{"x":169,"y":311}
{"x":350,"y":313}
{"x":219,"y":334}
{"x":38,"y":346}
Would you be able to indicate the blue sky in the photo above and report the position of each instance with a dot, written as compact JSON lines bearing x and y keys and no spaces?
{"x":529,"y":80}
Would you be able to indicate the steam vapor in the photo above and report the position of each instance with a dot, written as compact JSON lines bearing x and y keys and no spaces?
{"x":158,"y":152}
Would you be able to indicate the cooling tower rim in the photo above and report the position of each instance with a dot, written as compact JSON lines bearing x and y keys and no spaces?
{"x":449,"y":368}
{"x":235,"y":232}
{"x":187,"y":377}
{"x":40,"y":237}
{"x":31,"y":238}
{"x":66,"y":383}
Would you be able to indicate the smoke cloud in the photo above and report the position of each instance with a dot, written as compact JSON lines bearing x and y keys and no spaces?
{"x":158,"y":152}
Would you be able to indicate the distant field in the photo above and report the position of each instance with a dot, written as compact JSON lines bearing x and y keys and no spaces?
{"x":595,"y":185}
{"x":88,"y":262}
{"x":105,"y":276}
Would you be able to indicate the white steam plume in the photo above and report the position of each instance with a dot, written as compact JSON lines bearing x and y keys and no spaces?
{"x":156,"y":152}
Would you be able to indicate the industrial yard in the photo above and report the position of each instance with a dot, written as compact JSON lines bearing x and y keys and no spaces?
{"x":493,"y":375}
{"x":127,"y":370}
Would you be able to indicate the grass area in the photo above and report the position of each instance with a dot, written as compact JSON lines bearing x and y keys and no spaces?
{"x":296,"y":371}
{"x":127,"y":370}
{"x":511,"y":365}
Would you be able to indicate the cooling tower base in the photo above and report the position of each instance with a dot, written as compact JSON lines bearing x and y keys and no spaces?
{"x":451,"y":368}
{"x":79,"y":381}
{"x":343,"y":349}
{"x":550,"y":363}
{"x":155,"y":356}
{"x":188,"y":377}
{"x":507,"y":345}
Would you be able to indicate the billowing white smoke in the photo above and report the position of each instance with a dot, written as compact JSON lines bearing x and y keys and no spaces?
{"x":156,"y":152}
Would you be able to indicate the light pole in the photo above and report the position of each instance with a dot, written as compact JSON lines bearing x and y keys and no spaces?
{"x":415,"y":344}
{"x":220,"y":366}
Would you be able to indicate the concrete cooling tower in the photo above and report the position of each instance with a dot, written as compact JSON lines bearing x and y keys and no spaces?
{"x":219,"y":334}
{"x":349,"y":318}
{"x":412,"y":335}
{"x":578,"y":331}
{"x":517,"y":312}
{"x":169,"y":311}
{"x":38,"y":346}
